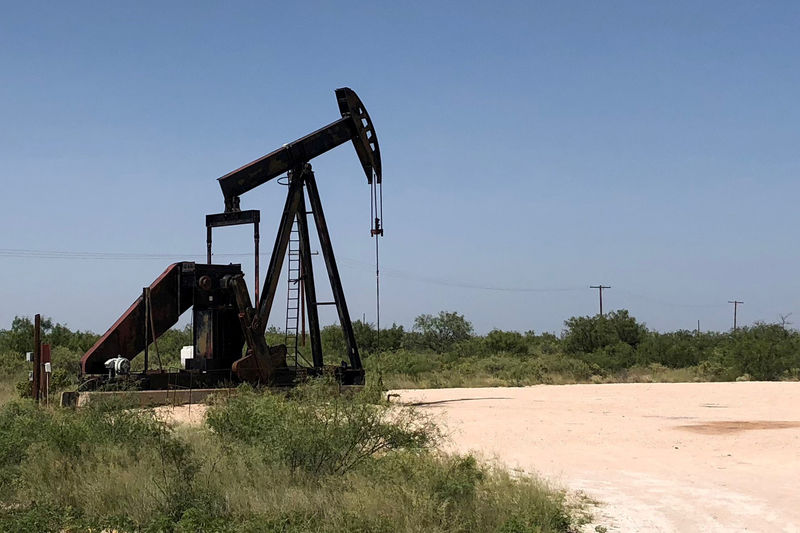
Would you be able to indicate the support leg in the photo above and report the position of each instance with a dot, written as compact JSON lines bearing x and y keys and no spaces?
{"x":278,"y":252}
{"x":308,"y":284}
{"x":333,"y":270}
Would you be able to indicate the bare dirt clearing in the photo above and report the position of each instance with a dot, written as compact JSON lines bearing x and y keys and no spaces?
{"x":665,"y":457}
{"x":660,"y":457}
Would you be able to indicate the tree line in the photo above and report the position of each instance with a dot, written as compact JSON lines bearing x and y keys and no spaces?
{"x":612,"y":346}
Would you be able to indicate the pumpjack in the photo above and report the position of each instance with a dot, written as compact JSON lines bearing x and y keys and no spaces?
{"x":228,"y":328}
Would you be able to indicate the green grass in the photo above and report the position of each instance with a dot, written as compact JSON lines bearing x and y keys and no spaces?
{"x":314,"y":461}
{"x":413,"y":370}
{"x":8,"y":391}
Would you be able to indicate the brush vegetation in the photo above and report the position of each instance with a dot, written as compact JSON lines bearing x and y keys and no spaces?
{"x":315,"y":461}
{"x":312,"y":461}
{"x":443,"y":351}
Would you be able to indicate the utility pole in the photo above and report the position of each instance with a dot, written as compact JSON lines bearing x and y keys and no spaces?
{"x":735,"y":306}
{"x":600,"y":289}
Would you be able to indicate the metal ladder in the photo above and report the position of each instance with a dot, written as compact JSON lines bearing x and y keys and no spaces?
{"x":293,"y":293}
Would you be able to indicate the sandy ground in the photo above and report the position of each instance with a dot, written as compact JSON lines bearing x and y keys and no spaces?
{"x":659,"y":457}
{"x":191,"y":414}
{"x":686,"y":457}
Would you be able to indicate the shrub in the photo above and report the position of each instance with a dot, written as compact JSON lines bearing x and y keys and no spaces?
{"x":764,"y":351}
{"x":442,"y":331}
{"x":50,"y":451}
{"x":410,"y":363}
{"x":588,"y":334}
{"x":506,"y":341}
{"x":318,"y":430}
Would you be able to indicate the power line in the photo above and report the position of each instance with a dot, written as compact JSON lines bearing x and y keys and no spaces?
{"x":55,"y":254}
{"x":101,"y":256}
{"x":354,"y":263}
{"x":664,"y":302}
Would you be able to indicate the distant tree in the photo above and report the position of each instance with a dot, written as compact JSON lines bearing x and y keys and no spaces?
{"x":366,"y":337}
{"x":677,"y":349}
{"x":587,"y":334}
{"x":498,"y":341}
{"x":333,"y":345}
{"x":441,"y":332}
{"x":762,"y":351}
{"x":20,"y":337}
{"x":391,"y":339}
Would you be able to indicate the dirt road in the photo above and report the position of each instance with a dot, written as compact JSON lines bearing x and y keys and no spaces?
{"x":660,"y":457}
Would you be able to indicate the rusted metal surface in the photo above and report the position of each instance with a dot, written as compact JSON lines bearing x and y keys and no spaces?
{"x":293,"y":158}
{"x":236,"y":218}
{"x":333,"y":270}
{"x":308,"y":286}
{"x":293,"y":199}
{"x":365,"y":141}
{"x":355,"y":125}
{"x":224,"y":316}
{"x":262,"y":367}
{"x":172,"y":293}
{"x":261,"y":362}
{"x":125,"y":338}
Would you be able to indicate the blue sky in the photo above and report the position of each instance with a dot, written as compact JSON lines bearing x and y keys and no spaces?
{"x":530,"y":149}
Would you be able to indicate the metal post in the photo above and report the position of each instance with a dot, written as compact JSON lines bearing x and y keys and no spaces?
{"x":236,"y":218}
{"x":302,"y":307}
{"x":278,"y":253}
{"x":256,"y":238}
{"x":145,"y":301}
{"x":45,"y":362}
{"x":333,"y":269}
{"x":208,"y":244}
{"x":37,"y":357}
{"x":309,"y":290}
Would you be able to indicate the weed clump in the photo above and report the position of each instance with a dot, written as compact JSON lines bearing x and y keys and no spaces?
{"x":310,"y":460}
{"x":318,"y":430}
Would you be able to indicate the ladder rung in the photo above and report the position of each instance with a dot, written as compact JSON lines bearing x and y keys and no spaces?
{"x":326,"y":303}
{"x":292,"y":322}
